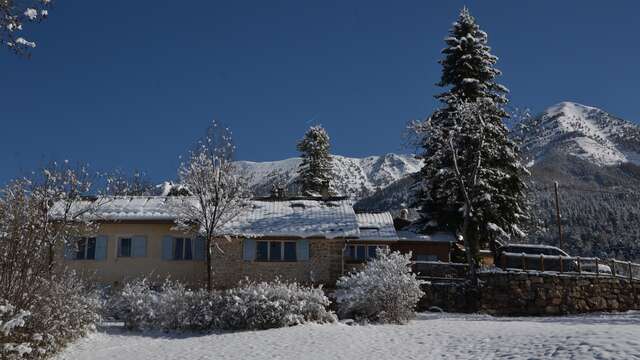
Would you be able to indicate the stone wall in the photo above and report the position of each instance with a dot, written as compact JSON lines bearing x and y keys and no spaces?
{"x":522,"y":293}
{"x":323,"y":267}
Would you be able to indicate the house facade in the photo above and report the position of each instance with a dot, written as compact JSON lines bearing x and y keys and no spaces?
{"x":313,"y":241}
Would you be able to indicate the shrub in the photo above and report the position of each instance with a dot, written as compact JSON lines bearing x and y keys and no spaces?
{"x":385,"y":290}
{"x":267,"y":305}
{"x":249,"y":306}
{"x":11,"y":319}
{"x":170,"y":307}
{"x":61,"y":310}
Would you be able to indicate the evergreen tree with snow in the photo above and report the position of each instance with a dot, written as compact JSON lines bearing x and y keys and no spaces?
{"x":468,"y":131}
{"x":316,"y":169}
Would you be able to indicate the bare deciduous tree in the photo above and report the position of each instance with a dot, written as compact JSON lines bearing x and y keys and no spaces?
{"x":38,"y":216}
{"x":14,"y":14}
{"x":218,"y":193}
{"x":119,"y":183}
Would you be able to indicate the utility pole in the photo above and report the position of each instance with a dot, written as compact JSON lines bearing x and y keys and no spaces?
{"x":558,"y":217}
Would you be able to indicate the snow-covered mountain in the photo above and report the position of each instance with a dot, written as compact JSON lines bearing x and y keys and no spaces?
{"x":354,"y":177}
{"x":582,"y":131}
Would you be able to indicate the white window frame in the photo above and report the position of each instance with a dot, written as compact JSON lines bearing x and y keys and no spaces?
{"x":282,"y":242}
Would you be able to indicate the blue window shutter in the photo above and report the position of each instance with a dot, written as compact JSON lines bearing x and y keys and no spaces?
{"x":139,"y":246}
{"x":167,"y":247}
{"x":69,"y":249}
{"x":302,"y":250}
{"x":101,"y":247}
{"x":249,"y":250}
{"x":199,"y":248}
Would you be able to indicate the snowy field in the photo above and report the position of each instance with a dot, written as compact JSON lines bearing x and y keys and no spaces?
{"x":430,"y":336}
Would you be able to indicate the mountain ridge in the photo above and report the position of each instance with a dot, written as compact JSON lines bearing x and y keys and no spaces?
{"x":582,"y":131}
{"x":353,"y":177}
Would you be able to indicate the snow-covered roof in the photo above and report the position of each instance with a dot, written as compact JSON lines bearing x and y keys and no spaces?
{"x":376,"y":226}
{"x":299,"y":218}
{"x":440,"y":236}
{"x":127,"y":208}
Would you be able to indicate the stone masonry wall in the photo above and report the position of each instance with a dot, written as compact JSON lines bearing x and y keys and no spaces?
{"x":522,"y":293}
{"x":323,"y":267}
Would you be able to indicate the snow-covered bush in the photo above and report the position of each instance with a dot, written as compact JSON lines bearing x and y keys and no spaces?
{"x":61,"y":310}
{"x":250,"y":306}
{"x":267,"y":305}
{"x":385,"y":290}
{"x":10,"y":319}
{"x":169,"y":307}
{"x":64,"y":310}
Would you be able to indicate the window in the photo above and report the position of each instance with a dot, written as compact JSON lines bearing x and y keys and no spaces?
{"x":426,"y":257}
{"x":182,"y":249}
{"x":188,"y":251}
{"x":371,"y":252}
{"x":361,"y":252}
{"x":124,"y":248}
{"x":86,"y":249}
{"x":289,"y":251}
{"x":262,"y":251}
{"x":276,"y":251}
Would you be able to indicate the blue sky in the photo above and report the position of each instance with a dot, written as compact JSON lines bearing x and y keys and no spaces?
{"x":132,"y":84}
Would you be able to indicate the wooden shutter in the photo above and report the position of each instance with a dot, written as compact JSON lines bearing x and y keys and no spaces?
{"x":138,"y":246}
{"x":101,"y":247}
{"x":167,"y":247}
{"x":199,"y":248}
{"x":302,"y":250}
{"x":249,"y":250}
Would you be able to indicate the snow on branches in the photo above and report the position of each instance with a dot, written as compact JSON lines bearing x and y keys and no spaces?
{"x":385,"y":290}
{"x":316,"y":169}
{"x":251,"y":305}
{"x":14,"y":15}
{"x":218,"y":193}
{"x":468,"y":65}
{"x":473,"y":181}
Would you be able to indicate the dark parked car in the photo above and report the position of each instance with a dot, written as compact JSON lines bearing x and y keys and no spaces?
{"x":527,"y":256}
{"x":511,"y":256}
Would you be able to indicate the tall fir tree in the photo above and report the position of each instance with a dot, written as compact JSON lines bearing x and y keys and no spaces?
{"x":470,"y":126}
{"x":316,"y":169}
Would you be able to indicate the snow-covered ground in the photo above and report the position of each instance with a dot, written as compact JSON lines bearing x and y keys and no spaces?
{"x":430,"y":336}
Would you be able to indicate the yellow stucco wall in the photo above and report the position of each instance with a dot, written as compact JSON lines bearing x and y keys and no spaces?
{"x":116,"y":269}
{"x":324,"y":264}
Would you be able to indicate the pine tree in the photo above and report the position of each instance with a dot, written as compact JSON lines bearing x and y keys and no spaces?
{"x":316,"y":168}
{"x":469,"y":126}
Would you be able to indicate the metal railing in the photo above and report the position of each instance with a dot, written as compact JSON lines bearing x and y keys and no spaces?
{"x":567,"y":264}
{"x":587,"y":266}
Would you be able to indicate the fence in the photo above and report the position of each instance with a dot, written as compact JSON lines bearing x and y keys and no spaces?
{"x":592,"y":266}
{"x":566,"y":264}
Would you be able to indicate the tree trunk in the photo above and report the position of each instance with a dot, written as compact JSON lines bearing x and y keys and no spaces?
{"x":470,"y":249}
{"x":209,"y":275}
{"x":51,"y":258}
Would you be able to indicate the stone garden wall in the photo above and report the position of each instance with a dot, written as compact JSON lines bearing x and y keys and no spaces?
{"x":535,"y":293}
